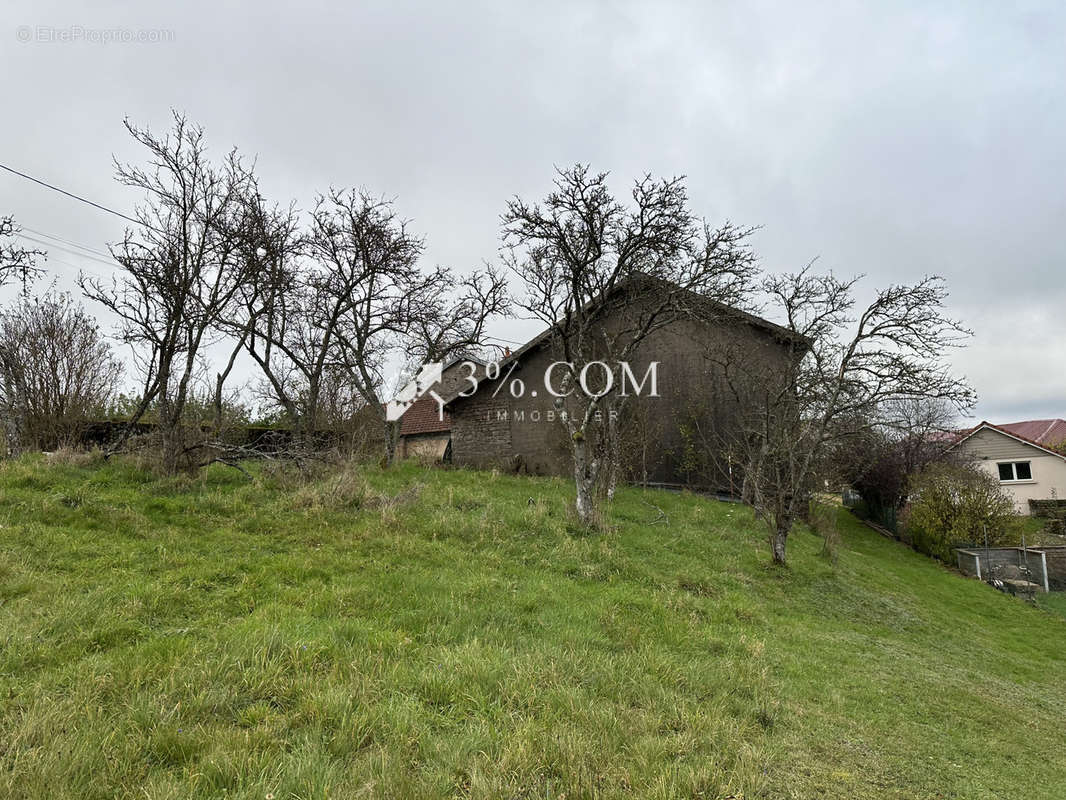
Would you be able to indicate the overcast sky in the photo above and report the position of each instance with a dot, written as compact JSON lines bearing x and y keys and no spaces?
{"x":893,"y":142}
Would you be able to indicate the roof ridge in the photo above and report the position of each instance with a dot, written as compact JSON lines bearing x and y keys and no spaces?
{"x":1047,"y":430}
{"x":1039,"y":430}
{"x":740,"y":313}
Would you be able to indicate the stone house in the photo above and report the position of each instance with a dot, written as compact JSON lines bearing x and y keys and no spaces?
{"x":665,"y":437}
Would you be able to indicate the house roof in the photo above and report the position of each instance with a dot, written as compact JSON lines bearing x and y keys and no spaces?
{"x":423,"y":416}
{"x":1003,"y":429}
{"x":722,"y":308}
{"x":1048,"y":432}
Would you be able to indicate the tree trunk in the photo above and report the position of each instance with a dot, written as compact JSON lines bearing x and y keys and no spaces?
{"x":14,"y":410}
{"x":584,"y":481}
{"x":392,"y":440}
{"x":777,"y":541}
{"x":172,"y":445}
{"x":12,"y":435}
{"x":219,"y":382}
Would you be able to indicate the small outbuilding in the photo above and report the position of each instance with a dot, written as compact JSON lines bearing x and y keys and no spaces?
{"x":426,"y":426}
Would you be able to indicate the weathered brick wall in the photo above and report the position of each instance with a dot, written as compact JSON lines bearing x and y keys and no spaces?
{"x":480,"y":436}
{"x":538,"y":433}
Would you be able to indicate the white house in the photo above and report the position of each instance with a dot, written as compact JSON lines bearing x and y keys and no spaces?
{"x":1025,"y":467}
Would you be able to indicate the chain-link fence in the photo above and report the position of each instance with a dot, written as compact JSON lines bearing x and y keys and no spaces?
{"x":1005,"y":564}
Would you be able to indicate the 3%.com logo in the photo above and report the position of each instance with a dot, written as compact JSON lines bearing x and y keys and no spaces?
{"x":422,"y":384}
{"x":430,"y":376}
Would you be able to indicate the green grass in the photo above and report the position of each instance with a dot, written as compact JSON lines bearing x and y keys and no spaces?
{"x":420,"y":633}
{"x":1055,"y":602}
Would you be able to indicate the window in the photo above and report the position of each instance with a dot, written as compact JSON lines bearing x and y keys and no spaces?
{"x":1015,"y":471}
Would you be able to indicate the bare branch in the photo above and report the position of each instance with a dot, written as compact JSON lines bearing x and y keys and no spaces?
{"x":584,"y":256}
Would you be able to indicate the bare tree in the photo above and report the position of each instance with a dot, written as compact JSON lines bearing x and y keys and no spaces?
{"x":904,"y":437}
{"x":273,"y":319}
{"x":16,"y":262}
{"x":379,"y":302}
{"x":327,"y":306}
{"x":181,"y":270}
{"x":293,"y":339}
{"x":639,"y":440}
{"x":452,"y":322}
{"x":844,"y":376}
{"x":56,"y":369}
{"x":584,"y":257}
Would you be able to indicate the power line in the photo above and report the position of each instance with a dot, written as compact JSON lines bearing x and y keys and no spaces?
{"x":52,"y":260}
{"x":79,"y":245}
{"x":67,"y":250}
{"x":74,"y":196}
{"x":505,"y":341}
{"x":98,"y":253}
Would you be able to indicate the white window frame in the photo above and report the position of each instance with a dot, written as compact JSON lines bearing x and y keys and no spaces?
{"x":1014,"y":471}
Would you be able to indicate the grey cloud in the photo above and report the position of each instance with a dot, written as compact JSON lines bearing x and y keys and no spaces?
{"x":895,"y":141}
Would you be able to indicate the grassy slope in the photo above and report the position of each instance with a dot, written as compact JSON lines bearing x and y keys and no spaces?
{"x":221,"y":638}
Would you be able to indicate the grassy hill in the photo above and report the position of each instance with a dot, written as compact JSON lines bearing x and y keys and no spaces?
{"x":420,"y":633}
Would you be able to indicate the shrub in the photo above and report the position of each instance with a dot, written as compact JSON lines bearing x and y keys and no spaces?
{"x":68,"y":456}
{"x":345,"y":488}
{"x":56,"y":371}
{"x":955,"y":504}
{"x":823,"y":521}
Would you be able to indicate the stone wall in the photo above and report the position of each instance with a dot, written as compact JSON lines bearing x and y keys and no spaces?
{"x":481,"y":432}
{"x":259,"y":438}
{"x":427,"y":446}
{"x":1047,"y":508}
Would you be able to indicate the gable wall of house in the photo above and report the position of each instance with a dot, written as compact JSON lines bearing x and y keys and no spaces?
{"x":456,"y":377}
{"x":989,"y":448}
{"x":508,"y":432}
{"x":993,"y":445}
